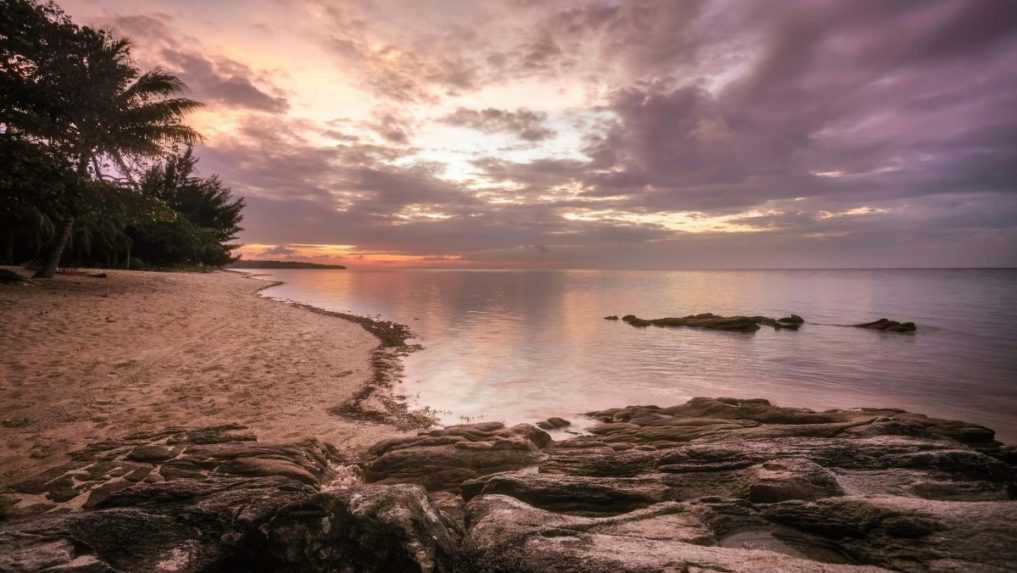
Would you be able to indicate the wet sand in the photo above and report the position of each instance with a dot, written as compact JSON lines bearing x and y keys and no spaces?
{"x":85,"y":359}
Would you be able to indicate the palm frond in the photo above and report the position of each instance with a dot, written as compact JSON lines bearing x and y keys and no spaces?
{"x":166,"y":110}
{"x":152,"y":84}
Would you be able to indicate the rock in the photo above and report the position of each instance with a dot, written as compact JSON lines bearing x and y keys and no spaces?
{"x":611,"y":317}
{"x":888,"y":326}
{"x":711,"y":321}
{"x":366,"y":528}
{"x":219,"y":502}
{"x":508,"y":535}
{"x":743,"y":485}
{"x":153,"y":454}
{"x":553,"y":423}
{"x":718,"y":484}
{"x":791,"y":478}
{"x":442,"y":459}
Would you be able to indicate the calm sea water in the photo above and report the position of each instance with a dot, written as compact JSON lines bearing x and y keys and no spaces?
{"x":524,"y":345}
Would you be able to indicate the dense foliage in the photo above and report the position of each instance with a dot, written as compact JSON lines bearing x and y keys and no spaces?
{"x":88,"y":149}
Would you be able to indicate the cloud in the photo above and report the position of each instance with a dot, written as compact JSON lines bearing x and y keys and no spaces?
{"x":223,"y":81}
{"x":524,"y":124}
{"x":284,"y":251}
{"x":648,"y":133}
{"x":392,"y":126}
{"x":210,"y":78}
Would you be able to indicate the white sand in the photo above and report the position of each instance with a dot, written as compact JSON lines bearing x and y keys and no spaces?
{"x":83,"y":359}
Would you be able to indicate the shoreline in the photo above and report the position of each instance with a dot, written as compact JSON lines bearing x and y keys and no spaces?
{"x":726,"y":484}
{"x":92,"y":359}
{"x":376,"y":400}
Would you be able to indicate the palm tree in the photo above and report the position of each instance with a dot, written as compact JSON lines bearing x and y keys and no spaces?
{"x":74,"y":90}
{"x":114,"y":113}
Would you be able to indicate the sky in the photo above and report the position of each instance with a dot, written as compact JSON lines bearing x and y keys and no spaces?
{"x":601,"y":134}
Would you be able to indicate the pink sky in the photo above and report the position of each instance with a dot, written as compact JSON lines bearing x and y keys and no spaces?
{"x":602,"y":133}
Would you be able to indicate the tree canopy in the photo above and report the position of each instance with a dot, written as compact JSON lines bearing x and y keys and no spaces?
{"x":78,"y":123}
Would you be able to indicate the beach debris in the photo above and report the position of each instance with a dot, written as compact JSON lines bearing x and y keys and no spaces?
{"x":887,"y":325}
{"x":9,"y":277}
{"x":81,"y":273}
{"x":16,"y":422}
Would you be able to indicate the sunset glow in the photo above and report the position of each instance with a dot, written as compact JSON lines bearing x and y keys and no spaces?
{"x":558,"y":134}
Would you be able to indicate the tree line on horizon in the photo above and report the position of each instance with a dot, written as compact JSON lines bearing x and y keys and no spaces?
{"x":96,"y":160}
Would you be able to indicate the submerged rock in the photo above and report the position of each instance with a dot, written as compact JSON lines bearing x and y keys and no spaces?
{"x":711,"y":321}
{"x":887,"y":325}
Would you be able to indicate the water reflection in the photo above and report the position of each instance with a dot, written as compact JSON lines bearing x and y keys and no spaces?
{"x":524,"y":345}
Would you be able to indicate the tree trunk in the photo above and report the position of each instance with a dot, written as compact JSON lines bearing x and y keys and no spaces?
{"x":127,"y":261}
{"x":55,"y":254}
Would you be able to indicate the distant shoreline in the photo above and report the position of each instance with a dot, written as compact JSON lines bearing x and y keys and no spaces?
{"x":268,"y":264}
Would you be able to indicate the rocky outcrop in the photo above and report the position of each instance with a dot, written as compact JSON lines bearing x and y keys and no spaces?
{"x":711,"y":321}
{"x":443,"y":459}
{"x":215,"y":500}
{"x":710,"y":485}
{"x":887,"y":325}
{"x":742,"y":485}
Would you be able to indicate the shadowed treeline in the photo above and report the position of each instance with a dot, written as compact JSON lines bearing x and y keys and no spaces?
{"x":98,"y":167}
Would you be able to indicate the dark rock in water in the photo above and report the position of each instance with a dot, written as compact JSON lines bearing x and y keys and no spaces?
{"x":710,"y":485}
{"x":611,"y":317}
{"x":553,"y":423}
{"x":711,"y":321}
{"x":442,"y":459}
{"x":888,"y":325}
{"x":636,"y":321}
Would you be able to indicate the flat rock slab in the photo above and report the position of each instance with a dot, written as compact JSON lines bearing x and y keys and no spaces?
{"x":443,"y":459}
{"x":743,"y":485}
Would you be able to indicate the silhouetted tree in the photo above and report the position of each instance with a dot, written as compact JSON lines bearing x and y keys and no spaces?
{"x":208,"y":216}
{"x":74,"y":90}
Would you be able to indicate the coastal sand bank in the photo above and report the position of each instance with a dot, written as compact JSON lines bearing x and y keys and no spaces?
{"x":85,"y":359}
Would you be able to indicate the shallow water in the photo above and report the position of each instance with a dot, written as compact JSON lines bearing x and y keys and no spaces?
{"x":524,"y":345}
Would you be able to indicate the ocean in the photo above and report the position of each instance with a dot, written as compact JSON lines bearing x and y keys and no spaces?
{"x":523,"y":345}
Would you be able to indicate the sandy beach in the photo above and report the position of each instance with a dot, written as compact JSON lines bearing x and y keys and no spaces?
{"x":86,"y":359}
